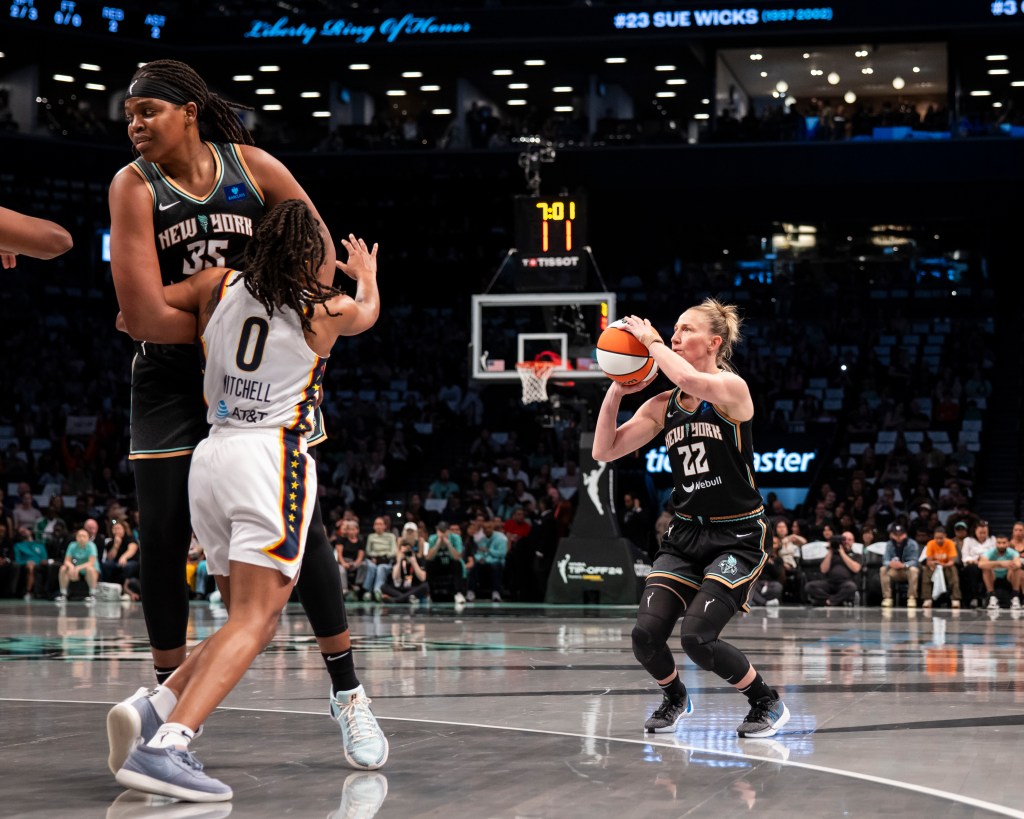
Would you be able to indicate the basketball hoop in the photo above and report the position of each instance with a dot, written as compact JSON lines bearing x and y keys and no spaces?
{"x":534,"y":375}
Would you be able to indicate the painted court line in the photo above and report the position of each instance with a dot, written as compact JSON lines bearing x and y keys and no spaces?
{"x":807,"y":766}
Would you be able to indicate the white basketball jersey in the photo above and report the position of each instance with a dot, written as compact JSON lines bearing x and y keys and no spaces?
{"x":260,"y":372}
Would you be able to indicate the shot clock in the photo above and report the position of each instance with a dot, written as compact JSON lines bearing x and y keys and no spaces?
{"x":551,"y":225}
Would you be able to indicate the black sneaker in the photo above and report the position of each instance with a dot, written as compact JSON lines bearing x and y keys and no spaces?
{"x":766,"y":717}
{"x":667,"y":716}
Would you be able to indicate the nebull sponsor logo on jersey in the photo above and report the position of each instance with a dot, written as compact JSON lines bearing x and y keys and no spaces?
{"x":213,"y":223}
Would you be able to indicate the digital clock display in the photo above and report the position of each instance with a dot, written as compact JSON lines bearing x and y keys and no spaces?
{"x":551,"y":225}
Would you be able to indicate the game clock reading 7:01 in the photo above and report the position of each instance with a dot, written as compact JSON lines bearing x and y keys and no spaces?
{"x":550,"y":225}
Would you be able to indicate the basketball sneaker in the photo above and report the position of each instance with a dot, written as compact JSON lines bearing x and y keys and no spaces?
{"x":171,"y":772}
{"x":361,"y":796}
{"x":765,"y":718}
{"x":993,"y":602}
{"x":137,"y":805}
{"x":363,"y":741}
{"x":129,"y":723}
{"x":667,"y":716}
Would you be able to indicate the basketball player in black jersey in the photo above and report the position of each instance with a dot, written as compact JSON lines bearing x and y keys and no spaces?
{"x":719,"y":540}
{"x":190,"y":201}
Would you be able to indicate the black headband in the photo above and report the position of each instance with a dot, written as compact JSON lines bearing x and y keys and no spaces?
{"x":157,"y":90}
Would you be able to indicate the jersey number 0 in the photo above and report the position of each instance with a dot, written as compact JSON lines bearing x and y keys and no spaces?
{"x":250,"y":351}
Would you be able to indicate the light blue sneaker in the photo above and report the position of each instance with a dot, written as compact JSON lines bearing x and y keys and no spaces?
{"x":171,"y":772}
{"x":130,"y":723}
{"x":361,"y":796}
{"x":363,"y":741}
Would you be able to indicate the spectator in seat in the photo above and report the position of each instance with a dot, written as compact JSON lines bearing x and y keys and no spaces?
{"x":635,"y":522}
{"x":381,"y":550}
{"x":408,"y":580}
{"x":26,"y":513}
{"x":443,"y":487}
{"x":80,"y":560}
{"x":350,"y":553}
{"x":900,"y":563}
{"x":9,"y":569}
{"x":1017,"y":538}
{"x":1001,"y":566}
{"x":940,"y":553}
{"x":767,"y":591}
{"x":444,"y":561}
{"x":491,"y":551}
{"x":32,"y":556}
{"x":120,"y":555}
{"x":974,"y":549}
{"x":839,"y":567}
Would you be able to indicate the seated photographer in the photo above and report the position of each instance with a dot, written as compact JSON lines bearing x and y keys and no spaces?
{"x":408,"y":580}
{"x":838,"y":569}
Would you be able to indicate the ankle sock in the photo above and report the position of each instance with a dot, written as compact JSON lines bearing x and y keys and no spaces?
{"x":342,"y":669}
{"x":172,"y":735}
{"x":757,"y":690}
{"x":674,"y":689}
{"x":163,"y":700}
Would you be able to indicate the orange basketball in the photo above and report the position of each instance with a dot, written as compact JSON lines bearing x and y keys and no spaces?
{"x":623,"y":358}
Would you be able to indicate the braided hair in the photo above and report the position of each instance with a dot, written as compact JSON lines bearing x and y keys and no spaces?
{"x":217,"y":117}
{"x":282,"y":260}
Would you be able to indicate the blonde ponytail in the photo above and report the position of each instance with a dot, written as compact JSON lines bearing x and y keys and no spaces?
{"x":724,"y":321}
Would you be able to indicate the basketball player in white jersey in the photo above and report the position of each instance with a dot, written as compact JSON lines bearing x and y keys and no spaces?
{"x":266,"y":334}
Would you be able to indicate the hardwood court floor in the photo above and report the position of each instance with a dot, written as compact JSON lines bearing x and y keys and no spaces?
{"x":506,"y":711}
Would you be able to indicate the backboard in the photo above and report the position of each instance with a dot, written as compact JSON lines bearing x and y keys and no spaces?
{"x":562,"y":327}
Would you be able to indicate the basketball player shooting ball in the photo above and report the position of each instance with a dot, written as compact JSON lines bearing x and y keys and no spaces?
{"x":252,"y":485}
{"x":719,"y":540}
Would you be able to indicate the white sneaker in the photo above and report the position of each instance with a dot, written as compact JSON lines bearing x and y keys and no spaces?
{"x":1015,"y":604}
{"x":460,"y":599}
{"x":363,"y":741}
{"x":495,"y":597}
{"x":471,"y":595}
{"x":993,"y":602}
{"x":774,"y":602}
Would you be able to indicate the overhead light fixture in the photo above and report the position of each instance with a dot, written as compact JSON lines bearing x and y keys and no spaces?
{"x":756,"y":56}
{"x":916,"y":69}
{"x":441,"y":112}
{"x":850,"y":97}
{"x":995,"y":58}
{"x":359,"y":67}
{"x":664,"y":68}
{"x":502,"y":72}
{"x":242,"y":78}
{"x":518,"y":86}
{"x":430,"y":88}
{"x":395,"y":92}
{"x":665,"y":94}
{"x":705,"y":101}
{"x":675,"y":81}
{"x":563,"y":109}
{"x":95,"y":86}
{"x":516,"y":102}
{"x":998,"y":71}
{"x":807,"y":56}
{"x":270,"y":69}
{"x":898,"y":83}
{"x":63,"y":78}
{"x":265,"y":92}
{"x":981,"y":93}
{"x":1017,"y":83}
{"x":997,"y":105}
{"x":89,"y":67}
{"x":702,"y":116}
{"x":534,"y":62}
{"x":562,"y":89}
{"x":272,"y":107}
{"x":310,"y":95}
{"x":321,"y":114}
{"x":833,"y":78}
{"x":412,"y":75}
{"x":790,"y":101}
{"x":867,"y":70}
{"x":615,"y":60}
{"x":764,"y":73}
{"x":816,"y":72}
{"x":782,"y":86}
{"x":860,"y":53}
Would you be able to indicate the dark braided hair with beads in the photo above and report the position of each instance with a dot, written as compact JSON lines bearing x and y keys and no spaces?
{"x":282,"y":260}
{"x":218,"y":118}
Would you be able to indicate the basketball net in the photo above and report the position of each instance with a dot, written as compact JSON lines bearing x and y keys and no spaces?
{"x":534,"y":376}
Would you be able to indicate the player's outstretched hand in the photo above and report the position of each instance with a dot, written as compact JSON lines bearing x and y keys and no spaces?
{"x":361,"y":261}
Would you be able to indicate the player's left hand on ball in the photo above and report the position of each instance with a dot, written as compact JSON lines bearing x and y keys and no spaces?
{"x":360,"y":259}
{"x":641,"y":329}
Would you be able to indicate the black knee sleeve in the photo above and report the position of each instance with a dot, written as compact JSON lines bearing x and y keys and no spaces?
{"x":319,"y":582}
{"x":702,"y":623}
{"x":161,"y":489}
{"x":654,"y":623}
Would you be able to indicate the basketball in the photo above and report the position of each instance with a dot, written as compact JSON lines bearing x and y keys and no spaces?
{"x":622,"y":357}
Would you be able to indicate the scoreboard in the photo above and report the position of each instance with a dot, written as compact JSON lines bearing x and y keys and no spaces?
{"x":130,"y":20}
{"x":551,"y":239}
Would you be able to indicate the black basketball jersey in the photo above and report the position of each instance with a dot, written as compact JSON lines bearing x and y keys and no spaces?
{"x":195,"y":233}
{"x":168,"y":413}
{"x":712,"y":464}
